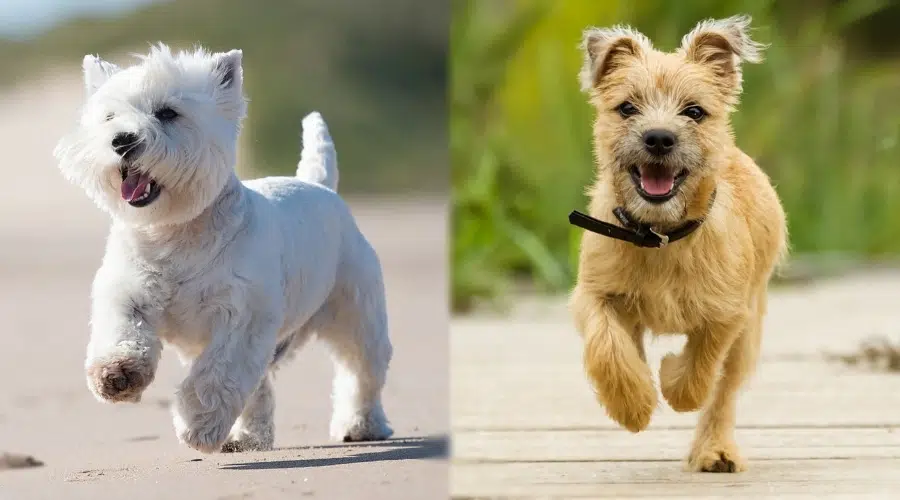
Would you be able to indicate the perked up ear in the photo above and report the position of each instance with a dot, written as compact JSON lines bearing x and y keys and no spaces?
{"x":228,"y":69}
{"x":96,"y":72}
{"x":723,"y":44}
{"x":605,"y":49}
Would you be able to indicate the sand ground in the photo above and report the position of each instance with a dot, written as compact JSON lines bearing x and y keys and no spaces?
{"x":52,"y":241}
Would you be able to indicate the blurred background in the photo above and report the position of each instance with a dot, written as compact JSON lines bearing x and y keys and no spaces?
{"x":377,"y":72}
{"x":821,"y":116}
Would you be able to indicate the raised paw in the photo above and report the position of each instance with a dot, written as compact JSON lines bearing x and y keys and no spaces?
{"x":716,"y":459}
{"x":120,"y":379}
{"x":631,"y":406}
{"x":683,"y":390}
{"x":623,"y":385}
{"x":628,"y":396}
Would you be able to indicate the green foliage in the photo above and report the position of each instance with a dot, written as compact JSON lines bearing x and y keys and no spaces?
{"x":820,"y":115}
{"x":376,"y":70}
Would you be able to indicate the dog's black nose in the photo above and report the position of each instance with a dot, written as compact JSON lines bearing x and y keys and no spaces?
{"x":659,"y":142}
{"x":124,"y":142}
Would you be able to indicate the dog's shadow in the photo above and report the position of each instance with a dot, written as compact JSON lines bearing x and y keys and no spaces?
{"x":424,"y":448}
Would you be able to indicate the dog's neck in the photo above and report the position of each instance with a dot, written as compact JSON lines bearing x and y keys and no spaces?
{"x":218,"y":222}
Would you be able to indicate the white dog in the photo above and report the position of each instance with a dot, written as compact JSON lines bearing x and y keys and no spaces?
{"x":232,"y":275}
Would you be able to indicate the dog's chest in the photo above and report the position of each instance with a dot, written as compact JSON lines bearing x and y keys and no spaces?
{"x":670,"y":310}
{"x":681,"y":299}
{"x":191,"y":310}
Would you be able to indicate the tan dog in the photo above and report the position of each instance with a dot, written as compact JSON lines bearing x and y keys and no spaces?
{"x":666,"y":156}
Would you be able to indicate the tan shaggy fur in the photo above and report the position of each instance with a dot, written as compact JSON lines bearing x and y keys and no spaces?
{"x":710,"y":286}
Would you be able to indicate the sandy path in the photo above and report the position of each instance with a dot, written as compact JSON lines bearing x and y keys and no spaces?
{"x":52,"y":239}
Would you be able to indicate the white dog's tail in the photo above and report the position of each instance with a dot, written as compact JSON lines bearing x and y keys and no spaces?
{"x":318,"y":159}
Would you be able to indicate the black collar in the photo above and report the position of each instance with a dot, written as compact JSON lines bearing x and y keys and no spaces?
{"x":637,"y":233}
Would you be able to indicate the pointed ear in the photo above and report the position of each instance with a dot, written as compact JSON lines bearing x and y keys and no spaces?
{"x":228,"y":69}
{"x":96,"y":72}
{"x":606,"y":49}
{"x":722,"y":45}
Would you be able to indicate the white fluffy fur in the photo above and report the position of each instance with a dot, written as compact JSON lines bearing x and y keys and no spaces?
{"x":223,"y":271}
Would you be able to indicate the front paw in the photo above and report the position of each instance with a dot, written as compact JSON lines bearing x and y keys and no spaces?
{"x":628,"y":395}
{"x":204,"y":425}
{"x":120,"y":378}
{"x":631,"y":403}
{"x":684,"y":391}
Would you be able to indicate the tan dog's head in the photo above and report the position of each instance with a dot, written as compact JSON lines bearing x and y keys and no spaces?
{"x":663,"y":119}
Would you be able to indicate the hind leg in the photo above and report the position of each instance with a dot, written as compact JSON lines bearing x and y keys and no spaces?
{"x":254,"y":430}
{"x":357,"y":337}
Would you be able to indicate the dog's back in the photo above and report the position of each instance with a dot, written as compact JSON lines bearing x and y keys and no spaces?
{"x":323,"y":249}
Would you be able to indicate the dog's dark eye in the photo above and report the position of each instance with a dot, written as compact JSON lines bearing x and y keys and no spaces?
{"x":694,"y":112}
{"x":110,"y":116}
{"x":627,"y":109}
{"x":166,"y":114}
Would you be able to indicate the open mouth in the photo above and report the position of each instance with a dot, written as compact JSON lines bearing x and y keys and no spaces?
{"x":656,"y":183}
{"x":138,"y":189}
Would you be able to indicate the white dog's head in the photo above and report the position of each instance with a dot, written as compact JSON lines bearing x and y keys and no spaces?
{"x":156,"y":142}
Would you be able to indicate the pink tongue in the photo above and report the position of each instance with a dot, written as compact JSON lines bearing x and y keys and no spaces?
{"x":134,"y":185}
{"x":656,"y":183}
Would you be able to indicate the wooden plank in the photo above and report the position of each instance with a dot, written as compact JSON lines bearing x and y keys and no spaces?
{"x":830,"y":315}
{"x":831,"y":478}
{"x":510,"y":395}
{"x":526,"y":423}
{"x":616,"y":445}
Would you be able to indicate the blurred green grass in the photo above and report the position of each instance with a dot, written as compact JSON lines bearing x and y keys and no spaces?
{"x":376,"y":70}
{"x":821,"y":115}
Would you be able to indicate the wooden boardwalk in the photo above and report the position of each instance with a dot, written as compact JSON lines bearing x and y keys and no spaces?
{"x":525,"y":422}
